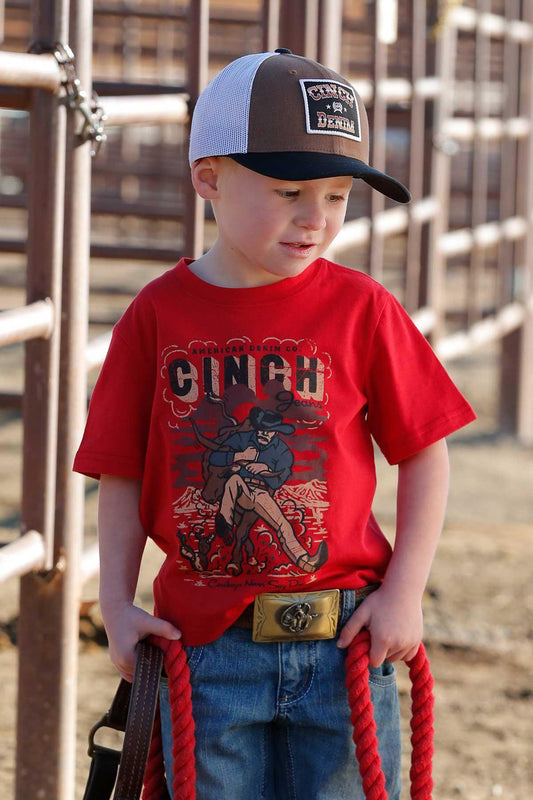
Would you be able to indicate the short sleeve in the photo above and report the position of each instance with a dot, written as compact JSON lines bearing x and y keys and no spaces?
{"x":412,"y":401}
{"x":118,"y":423}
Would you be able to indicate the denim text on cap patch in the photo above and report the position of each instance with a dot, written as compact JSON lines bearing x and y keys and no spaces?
{"x":331,"y":108}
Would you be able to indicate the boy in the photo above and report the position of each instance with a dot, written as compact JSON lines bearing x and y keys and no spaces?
{"x":232,"y":423}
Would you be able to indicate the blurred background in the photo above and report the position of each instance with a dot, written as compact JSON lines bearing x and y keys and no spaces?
{"x":449,"y":91}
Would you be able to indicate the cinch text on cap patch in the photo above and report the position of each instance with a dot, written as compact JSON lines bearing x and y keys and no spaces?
{"x":331,"y":108}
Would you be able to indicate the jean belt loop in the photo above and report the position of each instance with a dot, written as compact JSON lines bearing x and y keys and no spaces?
{"x":348,"y":606}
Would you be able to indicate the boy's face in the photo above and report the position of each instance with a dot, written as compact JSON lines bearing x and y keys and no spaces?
{"x":271,"y":229}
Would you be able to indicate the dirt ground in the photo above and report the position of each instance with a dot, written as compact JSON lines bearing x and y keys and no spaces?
{"x":478,"y":605}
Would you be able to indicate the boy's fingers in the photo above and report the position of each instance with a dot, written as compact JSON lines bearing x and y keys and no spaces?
{"x":357,"y":621}
{"x":160,"y":627}
{"x":377,"y":655}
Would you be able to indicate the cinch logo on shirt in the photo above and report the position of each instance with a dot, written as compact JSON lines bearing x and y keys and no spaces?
{"x":331,"y":108}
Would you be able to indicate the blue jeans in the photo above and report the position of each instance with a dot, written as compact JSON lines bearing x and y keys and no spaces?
{"x":272,"y":721}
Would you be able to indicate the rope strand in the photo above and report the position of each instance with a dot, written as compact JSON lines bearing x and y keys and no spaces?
{"x":362,"y":716}
{"x":179,"y":685}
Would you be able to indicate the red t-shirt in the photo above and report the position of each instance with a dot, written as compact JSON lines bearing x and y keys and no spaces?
{"x":248,"y":414}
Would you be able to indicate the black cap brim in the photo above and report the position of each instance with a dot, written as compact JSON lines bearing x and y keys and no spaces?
{"x":299,"y":166}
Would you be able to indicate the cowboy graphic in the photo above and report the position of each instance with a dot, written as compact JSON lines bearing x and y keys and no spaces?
{"x":259,"y":462}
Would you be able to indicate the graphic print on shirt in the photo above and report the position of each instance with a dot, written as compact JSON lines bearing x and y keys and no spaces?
{"x":246,"y":421}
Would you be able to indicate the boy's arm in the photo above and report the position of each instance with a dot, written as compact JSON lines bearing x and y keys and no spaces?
{"x":393,"y":614}
{"x":121,"y":542}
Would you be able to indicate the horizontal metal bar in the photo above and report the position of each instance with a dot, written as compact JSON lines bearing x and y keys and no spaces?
{"x":119,"y":251}
{"x":487,"y":128}
{"x":352,"y":234}
{"x":424,"y":319}
{"x":392,"y":221}
{"x":96,"y":350}
{"x":107,"y":88}
{"x":11,"y":400}
{"x":27,"y":69}
{"x":509,"y":319}
{"x":112,"y":206}
{"x":90,"y":562}
{"x":145,"y":109}
{"x":459,"y":242}
{"x":397,"y":90}
{"x":468,"y":19}
{"x":428,"y":87}
{"x":424,"y":210}
{"x":394,"y":90}
{"x":387,"y":223}
{"x":22,"y":556}
{"x":35,"y":321}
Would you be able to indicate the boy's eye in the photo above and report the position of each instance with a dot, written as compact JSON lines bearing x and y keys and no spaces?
{"x":337,"y":198}
{"x":288,"y":193}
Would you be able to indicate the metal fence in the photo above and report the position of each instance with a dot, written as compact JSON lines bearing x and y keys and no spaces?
{"x":469,"y":156}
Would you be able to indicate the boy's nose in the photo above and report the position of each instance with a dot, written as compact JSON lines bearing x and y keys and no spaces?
{"x":311,"y":216}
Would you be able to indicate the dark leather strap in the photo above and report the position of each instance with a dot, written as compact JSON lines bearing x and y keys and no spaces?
{"x":141,"y":713}
{"x":133,"y":711}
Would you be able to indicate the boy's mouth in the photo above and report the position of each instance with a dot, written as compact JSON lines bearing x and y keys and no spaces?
{"x":300,"y":248}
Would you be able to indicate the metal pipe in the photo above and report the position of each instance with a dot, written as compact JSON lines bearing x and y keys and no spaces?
{"x":42,"y":768}
{"x":476,"y":267}
{"x":524,"y":410}
{"x":416,"y":155}
{"x":19,"y":557}
{"x":69,"y":519}
{"x":35,"y":321}
{"x":27,"y":69}
{"x":379,"y":152}
{"x":492,"y":329}
{"x":96,"y":350}
{"x":445,"y":58}
{"x":270,"y":29}
{"x":330,"y":34}
{"x":145,"y":109}
{"x":198,"y":61}
{"x":90,"y":562}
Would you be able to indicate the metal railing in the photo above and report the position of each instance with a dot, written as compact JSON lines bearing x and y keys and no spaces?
{"x":53,"y":323}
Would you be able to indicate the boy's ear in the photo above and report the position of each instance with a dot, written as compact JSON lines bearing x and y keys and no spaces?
{"x":204,"y":175}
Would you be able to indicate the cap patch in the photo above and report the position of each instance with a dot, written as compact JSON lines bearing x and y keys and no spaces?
{"x":331,"y":108}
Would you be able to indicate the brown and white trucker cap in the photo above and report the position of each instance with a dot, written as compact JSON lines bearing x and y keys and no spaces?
{"x":287,"y":117}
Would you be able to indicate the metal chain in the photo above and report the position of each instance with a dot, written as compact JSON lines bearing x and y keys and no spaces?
{"x":77,"y":99}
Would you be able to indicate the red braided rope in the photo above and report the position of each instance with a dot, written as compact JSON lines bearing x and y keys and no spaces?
{"x":422,"y":702}
{"x":362,"y":716}
{"x":182,"y":728}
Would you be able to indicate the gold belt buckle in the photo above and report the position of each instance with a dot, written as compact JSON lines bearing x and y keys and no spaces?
{"x":300,"y":616}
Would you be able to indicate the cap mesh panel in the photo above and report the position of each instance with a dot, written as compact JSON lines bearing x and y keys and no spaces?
{"x":220,"y":121}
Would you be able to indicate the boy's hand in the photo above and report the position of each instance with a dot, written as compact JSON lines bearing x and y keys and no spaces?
{"x":126,"y":628}
{"x":395,"y":624}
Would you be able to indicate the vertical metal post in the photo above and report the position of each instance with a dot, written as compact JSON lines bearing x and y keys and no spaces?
{"x":330,"y":34}
{"x":445,"y":58}
{"x":379,"y":149}
{"x":416,"y":153}
{"x":270,"y":25}
{"x":40,"y":771}
{"x":193,"y":217}
{"x":516,"y":410}
{"x":511,"y":68}
{"x":479,"y":167}
{"x":299,"y":27}
{"x":68,"y":538}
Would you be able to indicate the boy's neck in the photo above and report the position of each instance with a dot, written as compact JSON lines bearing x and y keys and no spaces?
{"x":220,"y":269}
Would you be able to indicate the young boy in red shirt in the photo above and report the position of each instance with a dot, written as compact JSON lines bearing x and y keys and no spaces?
{"x":232,"y":423}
